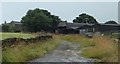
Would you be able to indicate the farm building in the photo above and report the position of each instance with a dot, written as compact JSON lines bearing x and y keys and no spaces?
{"x":82,"y":28}
{"x":74,"y":28}
{"x":15,"y":26}
{"x":107,"y":27}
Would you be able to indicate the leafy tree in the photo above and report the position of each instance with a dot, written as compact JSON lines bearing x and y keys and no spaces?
{"x":111,"y":22}
{"x":55,"y":22}
{"x":5,"y":28}
{"x":85,"y":18}
{"x":37,"y":20}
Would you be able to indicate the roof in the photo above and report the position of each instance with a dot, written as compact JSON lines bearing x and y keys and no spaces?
{"x":82,"y":25}
{"x":62,"y":24}
{"x":16,"y":22}
{"x":73,"y":25}
{"x":109,"y":24}
{"x":78,"y":24}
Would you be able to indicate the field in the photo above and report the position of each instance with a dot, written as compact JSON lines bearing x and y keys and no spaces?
{"x":17,"y":35}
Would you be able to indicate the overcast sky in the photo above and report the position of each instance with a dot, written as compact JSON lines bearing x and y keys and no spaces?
{"x":59,"y":0}
{"x":102,"y":11}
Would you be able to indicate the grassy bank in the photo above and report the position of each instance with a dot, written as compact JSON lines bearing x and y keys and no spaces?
{"x":100,"y":47}
{"x":27,"y":52}
{"x":22,"y":52}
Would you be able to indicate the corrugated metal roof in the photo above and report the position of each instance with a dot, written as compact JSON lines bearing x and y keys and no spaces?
{"x":78,"y":24}
{"x":16,"y":22}
{"x":110,"y":24}
{"x":62,"y":24}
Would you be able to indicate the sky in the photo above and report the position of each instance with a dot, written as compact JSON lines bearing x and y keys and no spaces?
{"x":102,"y":11}
{"x":60,"y":0}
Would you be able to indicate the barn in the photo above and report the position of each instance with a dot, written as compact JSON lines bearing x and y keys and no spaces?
{"x":74,"y":28}
{"x":82,"y":28}
{"x":113,"y":28}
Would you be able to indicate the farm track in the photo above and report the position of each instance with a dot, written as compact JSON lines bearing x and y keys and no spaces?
{"x":65,"y":52}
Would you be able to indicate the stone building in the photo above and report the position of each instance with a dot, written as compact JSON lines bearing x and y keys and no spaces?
{"x":82,"y":28}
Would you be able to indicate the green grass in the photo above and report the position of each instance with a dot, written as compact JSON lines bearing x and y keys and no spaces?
{"x":103,"y":48}
{"x":115,"y":35}
{"x":22,"y":52}
{"x":27,"y":52}
{"x":0,"y":54}
{"x":80,"y":39}
{"x":17,"y":35}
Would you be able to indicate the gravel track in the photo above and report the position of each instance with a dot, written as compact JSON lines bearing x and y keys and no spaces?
{"x":65,"y":52}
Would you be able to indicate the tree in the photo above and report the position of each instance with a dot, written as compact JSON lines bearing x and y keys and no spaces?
{"x":5,"y":28}
{"x":55,"y":22}
{"x":111,"y":22}
{"x":37,"y":20}
{"x":85,"y":18}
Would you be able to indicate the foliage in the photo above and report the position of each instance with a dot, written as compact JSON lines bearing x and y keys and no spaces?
{"x":5,"y":28}
{"x":111,"y":22}
{"x":38,"y":19}
{"x":85,"y":18}
{"x":9,"y":27}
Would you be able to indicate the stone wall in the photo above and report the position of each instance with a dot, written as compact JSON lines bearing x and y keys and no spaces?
{"x":13,"y":41}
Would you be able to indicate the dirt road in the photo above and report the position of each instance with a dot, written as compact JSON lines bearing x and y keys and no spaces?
{"x":66,"y":52}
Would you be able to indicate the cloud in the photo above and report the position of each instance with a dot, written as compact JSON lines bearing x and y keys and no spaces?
{"x":59,"y":0}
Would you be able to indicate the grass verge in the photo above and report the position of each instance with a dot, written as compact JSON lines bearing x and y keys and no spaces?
{"x":80,"y":39}
{"x":104,"y":49}
{"x":99,"y":47}
{"x":24,"y":53}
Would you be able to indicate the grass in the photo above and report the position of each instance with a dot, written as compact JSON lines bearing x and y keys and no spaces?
{"x":23,"y":52}
{"x":0,"y":54}
{"x":27,"y":52}
{"x":80,"y":39}
{"x":104,"y":49}
{"x":99,"y":47}
{"x":17,"y":35}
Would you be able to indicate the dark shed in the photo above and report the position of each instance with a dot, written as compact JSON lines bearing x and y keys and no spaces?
{"x":82,"y":28}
